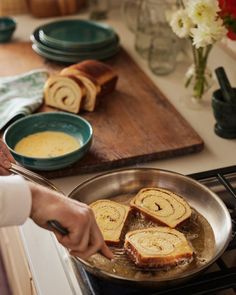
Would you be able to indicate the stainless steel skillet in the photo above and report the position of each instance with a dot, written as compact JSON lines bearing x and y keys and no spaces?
{"x":127,"y":182}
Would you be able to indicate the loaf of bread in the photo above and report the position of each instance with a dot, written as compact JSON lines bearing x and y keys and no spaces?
{"x":111,"y":218}
{"x":103,"y":74}
{"x":65,"y":93}
{"x":157,"y":247}
{"x":161,"y":206}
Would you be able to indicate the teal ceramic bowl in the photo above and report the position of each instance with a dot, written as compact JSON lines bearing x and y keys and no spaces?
{"x":70,"y":124}
{"x":7,"y":28}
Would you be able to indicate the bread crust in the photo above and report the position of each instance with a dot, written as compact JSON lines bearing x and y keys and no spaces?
{"x":103,"y":74}
{"x":73,"y":71}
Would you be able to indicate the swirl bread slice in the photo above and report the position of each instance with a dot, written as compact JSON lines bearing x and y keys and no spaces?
{"x":65,"y":93}
{"x":90,"y":84}
{"x":161,"y":206}
{"x":157,"y":247}
{"x":111,"y":218}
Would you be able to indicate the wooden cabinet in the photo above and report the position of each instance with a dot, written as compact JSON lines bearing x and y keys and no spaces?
{"x":17,"y":268}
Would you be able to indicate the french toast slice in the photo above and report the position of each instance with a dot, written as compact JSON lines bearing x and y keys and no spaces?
{"x":161,"y":206}
{"x":157,"y":247}
{"x":111,"y":218}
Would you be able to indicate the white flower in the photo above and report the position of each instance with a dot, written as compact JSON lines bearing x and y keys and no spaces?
{"x":202,"y":11}
{"x":181,"y":24}
{"x":204,"y":35}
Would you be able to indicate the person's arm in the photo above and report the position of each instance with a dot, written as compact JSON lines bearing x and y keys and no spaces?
{"x":20,"y":199}
{"x":15,"y":200}
{"x":85,"y":237}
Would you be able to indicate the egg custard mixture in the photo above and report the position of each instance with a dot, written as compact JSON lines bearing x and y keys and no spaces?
{"x":47,"y":144}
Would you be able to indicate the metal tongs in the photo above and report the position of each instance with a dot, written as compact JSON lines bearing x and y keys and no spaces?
{"x":34,"y":177}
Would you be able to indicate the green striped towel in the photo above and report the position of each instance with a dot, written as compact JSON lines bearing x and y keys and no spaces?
{"x":21,"y":95}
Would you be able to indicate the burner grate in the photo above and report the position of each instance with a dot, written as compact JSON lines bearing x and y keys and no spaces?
{"x":224,"y":178}
{"x":223,"y":182}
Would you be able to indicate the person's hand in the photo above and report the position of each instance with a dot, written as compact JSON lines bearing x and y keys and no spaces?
{"x":5,"y":159}
{"x":84,"y":238}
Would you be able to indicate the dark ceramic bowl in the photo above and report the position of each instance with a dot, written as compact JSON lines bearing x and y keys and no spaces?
{"x":225,"y":115}
{"x":7,"y":28}
{"x":70,"y":124}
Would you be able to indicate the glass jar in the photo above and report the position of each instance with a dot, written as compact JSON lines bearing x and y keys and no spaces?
{"x":151,"y":17}
{"x":98,"y":9}
{"x":163,"y":51}
{"x":130,"y":12}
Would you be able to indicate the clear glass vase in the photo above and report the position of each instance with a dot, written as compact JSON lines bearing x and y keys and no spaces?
{"x":197,"y":84}
{"x":151,"y":19}
{"x":198,"y":80}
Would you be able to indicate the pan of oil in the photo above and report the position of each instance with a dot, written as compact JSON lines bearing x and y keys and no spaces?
{"x":208,"y":230}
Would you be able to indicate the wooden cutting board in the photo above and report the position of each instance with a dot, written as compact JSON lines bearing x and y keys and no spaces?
{"x":134,"y":124}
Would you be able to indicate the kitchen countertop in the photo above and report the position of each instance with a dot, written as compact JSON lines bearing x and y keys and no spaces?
{"x":40,"y":245}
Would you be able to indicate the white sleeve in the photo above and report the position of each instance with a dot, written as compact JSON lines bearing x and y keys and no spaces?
{"x":15,"y":200}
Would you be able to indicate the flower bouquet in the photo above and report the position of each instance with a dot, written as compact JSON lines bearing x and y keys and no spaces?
{"x":201,"y":22}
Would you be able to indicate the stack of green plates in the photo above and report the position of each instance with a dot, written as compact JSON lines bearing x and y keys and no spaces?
{"x":71,"y":41}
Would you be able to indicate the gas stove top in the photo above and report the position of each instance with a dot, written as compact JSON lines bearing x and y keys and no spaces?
{"x":220,"y":278}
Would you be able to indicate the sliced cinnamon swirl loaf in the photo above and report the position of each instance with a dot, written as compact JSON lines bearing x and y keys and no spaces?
{"x":98,"y":78}
{"x":111,"y":218}
{"x":157,"y":247}
{"x":90,"y":80}
{"x":161,"y":206}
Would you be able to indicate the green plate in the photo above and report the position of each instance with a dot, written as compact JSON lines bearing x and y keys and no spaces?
{"x":71,"y":59}
{"x":77,"y":53}
{"x":71,"y":124}
{"x":41,"y":39}
{"x":77,"y":34}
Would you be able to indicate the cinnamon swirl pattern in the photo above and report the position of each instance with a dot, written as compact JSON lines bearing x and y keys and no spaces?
{"x":157,"y":247}
{"x":90,"y":84}
{"x":161,"y":206}
{"x":111,"y":218}
{"x":65,"y":93}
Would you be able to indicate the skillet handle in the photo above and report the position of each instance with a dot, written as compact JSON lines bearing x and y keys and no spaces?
{"x":54,"y":224}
